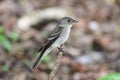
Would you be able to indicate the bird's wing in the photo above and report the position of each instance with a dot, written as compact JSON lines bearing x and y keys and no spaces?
{"x":49,"y":41}
{"x":51,"y":37}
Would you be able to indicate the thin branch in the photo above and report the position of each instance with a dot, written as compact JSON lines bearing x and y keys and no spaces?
{"x":56,"y":66}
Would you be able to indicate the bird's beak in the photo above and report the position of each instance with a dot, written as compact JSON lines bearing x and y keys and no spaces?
{"x":75,"y":21}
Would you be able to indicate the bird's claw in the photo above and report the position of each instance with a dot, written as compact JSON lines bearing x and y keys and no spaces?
{"x":60,"y":49}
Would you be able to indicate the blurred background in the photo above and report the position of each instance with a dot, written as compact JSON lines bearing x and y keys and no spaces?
{"x":91,"y":52}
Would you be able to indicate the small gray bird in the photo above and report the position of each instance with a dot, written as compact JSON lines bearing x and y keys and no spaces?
{"x":56,"y":38}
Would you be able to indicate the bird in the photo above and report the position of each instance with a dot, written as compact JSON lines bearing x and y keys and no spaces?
{"x":55,"y":39}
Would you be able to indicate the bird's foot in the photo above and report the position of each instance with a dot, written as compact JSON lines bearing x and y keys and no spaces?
{"x":60,"y":49}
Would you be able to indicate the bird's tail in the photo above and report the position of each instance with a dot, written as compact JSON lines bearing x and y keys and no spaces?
{"x":42,"y":54}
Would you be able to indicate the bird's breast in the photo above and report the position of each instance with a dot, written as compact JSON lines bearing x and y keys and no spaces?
{"x":64,"y":36}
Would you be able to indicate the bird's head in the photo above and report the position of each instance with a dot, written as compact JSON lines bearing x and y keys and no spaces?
{"x":67,"y":21}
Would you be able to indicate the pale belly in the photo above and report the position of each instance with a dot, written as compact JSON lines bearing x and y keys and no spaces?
{"x":62,"y":38}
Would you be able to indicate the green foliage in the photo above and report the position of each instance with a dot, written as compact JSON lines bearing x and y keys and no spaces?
{"x":1,"y":30}
{"x":5,"y":68}
{"x":37,"y":54}
{"x":113,"y":76}
{"x":4,"y":40}
{"x":46,"y":58}
{"x":7,"y":45}
{"x":14,"y":36}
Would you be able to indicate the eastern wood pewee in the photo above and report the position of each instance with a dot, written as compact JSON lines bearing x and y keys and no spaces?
{"x":56,"y":38}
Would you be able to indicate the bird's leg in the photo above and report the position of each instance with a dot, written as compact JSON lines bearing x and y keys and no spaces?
{"x":60,"y":49}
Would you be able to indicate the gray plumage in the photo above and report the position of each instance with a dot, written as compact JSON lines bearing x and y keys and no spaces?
{"x":56,"y":38}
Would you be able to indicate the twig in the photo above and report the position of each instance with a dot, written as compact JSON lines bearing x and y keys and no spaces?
{"x":56,"y":66}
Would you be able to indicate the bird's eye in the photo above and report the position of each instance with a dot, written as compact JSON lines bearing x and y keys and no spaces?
{"x":69,"y":20}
